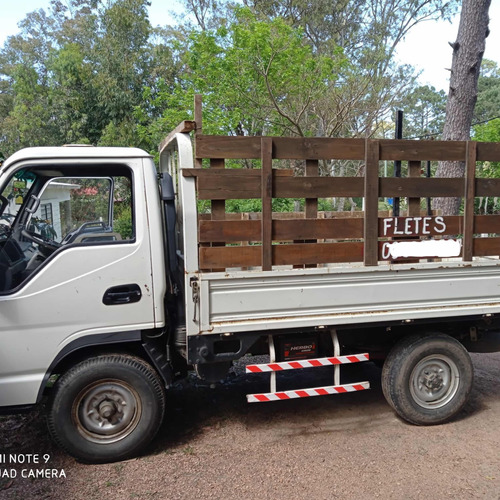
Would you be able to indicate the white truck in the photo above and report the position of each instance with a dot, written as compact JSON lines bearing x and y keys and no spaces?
{"x":113,"y":284}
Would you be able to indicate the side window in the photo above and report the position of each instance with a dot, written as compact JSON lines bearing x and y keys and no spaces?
{"x":40,"y":215}
{"x":84,"y":210}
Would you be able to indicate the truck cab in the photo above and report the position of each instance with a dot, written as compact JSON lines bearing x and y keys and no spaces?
{"x":81,"y":263}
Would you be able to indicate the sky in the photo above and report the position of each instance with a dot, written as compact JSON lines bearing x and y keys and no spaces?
{"x":426,"y":46}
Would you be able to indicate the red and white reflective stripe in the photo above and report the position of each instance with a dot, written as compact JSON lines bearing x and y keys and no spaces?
{"x":305,"y":393}
{"x":307,"y":363}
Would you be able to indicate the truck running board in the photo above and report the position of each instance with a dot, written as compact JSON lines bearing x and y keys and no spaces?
{"x":273,"y":367}
{"x":305,"y":393}
{"x":307,"y":363}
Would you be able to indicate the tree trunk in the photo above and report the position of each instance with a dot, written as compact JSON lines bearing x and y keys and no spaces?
{"x":468,"y":53}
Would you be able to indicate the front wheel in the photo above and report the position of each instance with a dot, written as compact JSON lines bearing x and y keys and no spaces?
{"x":427,"y":379}
{"x":106,"y":408}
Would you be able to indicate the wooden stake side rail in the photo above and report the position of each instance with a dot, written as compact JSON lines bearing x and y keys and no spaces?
{"x":312,"y":240}
{"x":323,"y":148}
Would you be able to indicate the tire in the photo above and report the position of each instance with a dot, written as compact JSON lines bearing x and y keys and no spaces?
{"x":106,"y":408}
{"x":427,"y":379}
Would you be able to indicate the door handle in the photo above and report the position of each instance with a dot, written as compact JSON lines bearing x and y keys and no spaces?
{"x":122,"y":294}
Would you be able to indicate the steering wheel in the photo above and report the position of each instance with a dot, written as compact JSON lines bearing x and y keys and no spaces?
{"x":44,"y":244}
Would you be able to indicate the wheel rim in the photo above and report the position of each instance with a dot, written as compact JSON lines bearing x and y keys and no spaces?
{"x":107,"y":411}
{"x":434,"y":381}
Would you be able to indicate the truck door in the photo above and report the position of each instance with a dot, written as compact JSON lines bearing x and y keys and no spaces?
{"x":75,"y":265}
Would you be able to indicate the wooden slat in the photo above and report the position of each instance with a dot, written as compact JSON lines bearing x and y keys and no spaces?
{"x":267,"y":208}
{"x":184,"y":127}
{"x":296,"y":253}
{"x":283,"y":230}
{"x":321,"y":187}
{"x":318,"y":148}
{"x":371,"y":203}
{"x":421,"y":187}
{"x":296,"y":148}
{"x":241,"y":256}
{"x":470,"y":173}
{"x":232,"y":231}
{"x":218,"y":207}
{"x":315,"y":253}
{"x":422,"y":150}
{"x":311,"y":208}
{"x":414,"y":171}
{"x":486,"y":247}
{"x":245,"y":183}
{"x":488,"y":151}
{"x":487,"y":187}
{"x":198,"y":118}
{"x":321,"y":148}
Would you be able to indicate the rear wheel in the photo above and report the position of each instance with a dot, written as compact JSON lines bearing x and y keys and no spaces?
{"x":427,"y":379}
{"x":106,"y":408}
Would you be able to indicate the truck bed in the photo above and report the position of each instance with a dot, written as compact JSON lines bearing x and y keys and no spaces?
{"x":311,"y":269}
{"x":238,"y":301}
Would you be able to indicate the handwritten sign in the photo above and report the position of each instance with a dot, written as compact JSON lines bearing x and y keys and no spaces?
{"x":413,"y":226}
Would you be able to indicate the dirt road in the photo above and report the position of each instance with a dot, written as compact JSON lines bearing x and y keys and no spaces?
{"x":214,"y":445}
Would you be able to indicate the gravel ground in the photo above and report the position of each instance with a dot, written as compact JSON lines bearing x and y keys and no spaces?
{"x":214,"y":445}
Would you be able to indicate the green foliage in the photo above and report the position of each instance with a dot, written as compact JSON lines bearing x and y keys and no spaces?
{"x":248,"y":74}
{"x":97,"y":72}
{"x":488,"y":92}
{"x":488,"y":132}
{"x":424,"y":111}
{"x":123,"y":225}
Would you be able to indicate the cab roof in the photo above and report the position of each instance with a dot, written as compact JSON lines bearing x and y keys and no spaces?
{"x":73,"y":152}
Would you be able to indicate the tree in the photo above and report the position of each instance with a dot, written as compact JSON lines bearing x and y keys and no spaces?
{"x":488,"y":92}
{"x":423,"y":109}
{"x":249,"y":74}
{"x":78,"y":73}
{"x":468,"y":52}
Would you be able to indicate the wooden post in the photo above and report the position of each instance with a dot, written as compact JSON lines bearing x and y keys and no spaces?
{"x":311,"y":208}
{"x":470,"y":175}
{"x":312,"y":170}
{"x":198,"y":119}
{"x":372,"y":151}
{"x":266,"y":152}
{"x":414,"y":170}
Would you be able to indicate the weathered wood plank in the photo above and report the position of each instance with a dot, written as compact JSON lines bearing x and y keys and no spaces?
{"x":414,"y":171}
{"x":421,"y":187}
{"x":218,"y":206}
{"x":422,"y":150}
{"x":486,"y":247}
{"x":488,"y":151}
{"x":296,"y":253}
{"x":320,"y":187}
{"x":315,"y":253}
{"x":183,"y":128}
{"x":240,"y":184}
{"x":267,"y":198}
{"x":232,"y":231}
{"x":318,"y":148}
{"x":198,"y":118}
{"x":299,"y":148}
{"x":311,"y":208}
{"x":487,"y":187}
{"x":371,"y":203}
{"x":470,"y":173}
{"x":283,"y":230}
